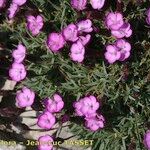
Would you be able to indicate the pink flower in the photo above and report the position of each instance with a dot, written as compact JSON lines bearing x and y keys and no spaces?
{"x":85,"y":26}
{"x":124,"y":48}
{"x":19,"y":53}
{"x":123,"y":31}
{"x":147,"y":139}
{"x":45,"y":142}
{"x":25,"y":97}
{"x":85,"y":39}
{"x":19,"y":2}
{"x":77,"y":52}
{"x":46,"y":120}
{"x":2,"y":3}
{"x":95,"y":123}
{"x":79,"y":4}
{"x":17,"y":72}
{"x":97,"y":4}
{"x":148,"y":16}
{"x":114,"y":20}
{"x":112,"y":54}
{"x":12,"y":10}
{"x":55,"y":104}
{"x":35,"y":24}
{"x":55,"y":42}
{"x":78,"y":107}
{"x":70,"y":33}
{"x":86,"y":107}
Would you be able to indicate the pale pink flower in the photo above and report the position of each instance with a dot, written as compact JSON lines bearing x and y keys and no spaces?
{"x":124,"y":48}
{"x":17,"y":72}
{"x":97,"y":4}
{"x":79,"y":4}
{"x":112,"y":54}
{"x":70,"y":33}
{"x":114,"y":20}
{"x":85,"y":39}
{"x":12,"y":10}
{"x":55,"y":42}
{"x":19,"y":2}
{"x":35,"y":24}
{"x":77,"y":52}
{"x":55,"y":104}
{"x":46,"y":120}
{"x":95,"y":123}
{"x":85,"y":26}
{"x":147,"y":139}
{"x":148,"y":16}
{"x":86,"y":106}
{"x":25,"y":97}
{"x":123,"y":31}
{"x":45,"y":142}
{"x":2,"y":3}
{"x":19,"y":53}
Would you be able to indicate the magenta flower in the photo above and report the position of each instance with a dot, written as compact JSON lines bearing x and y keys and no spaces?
{"x":123,"y":31}
{"x":12,"y":10}
{"x":112,"y":54}
{"x":70,"y":33}
{"x":55,"y":104}
{"x":17,"y":72}
{"x":19,"y":2}
{"x":2,"y":3}
{"x":78,"y":107}
{"x":65,"y":118}
{"x":95,"y":123}
{"x":85,"y":39}
{"x":148,"y":16}
{"x":79,"y":4}
{"x":45,"y":142}
{"x":86,"y":107}
{"x":25,"y":97}
{"x":77,"y":52}
{"x":46,"y":120}
{"x":19,"y":53}
{"x":114,"y":20}
{"x":124,"y":48}
{"x":147,"y":139}
{"x":35,"y":24}
{"x":85,"y":26}
{"x":55,"y":42}
{"x":97,"y":4}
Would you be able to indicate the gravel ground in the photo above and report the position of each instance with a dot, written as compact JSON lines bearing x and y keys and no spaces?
{"x":29,"y":118}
